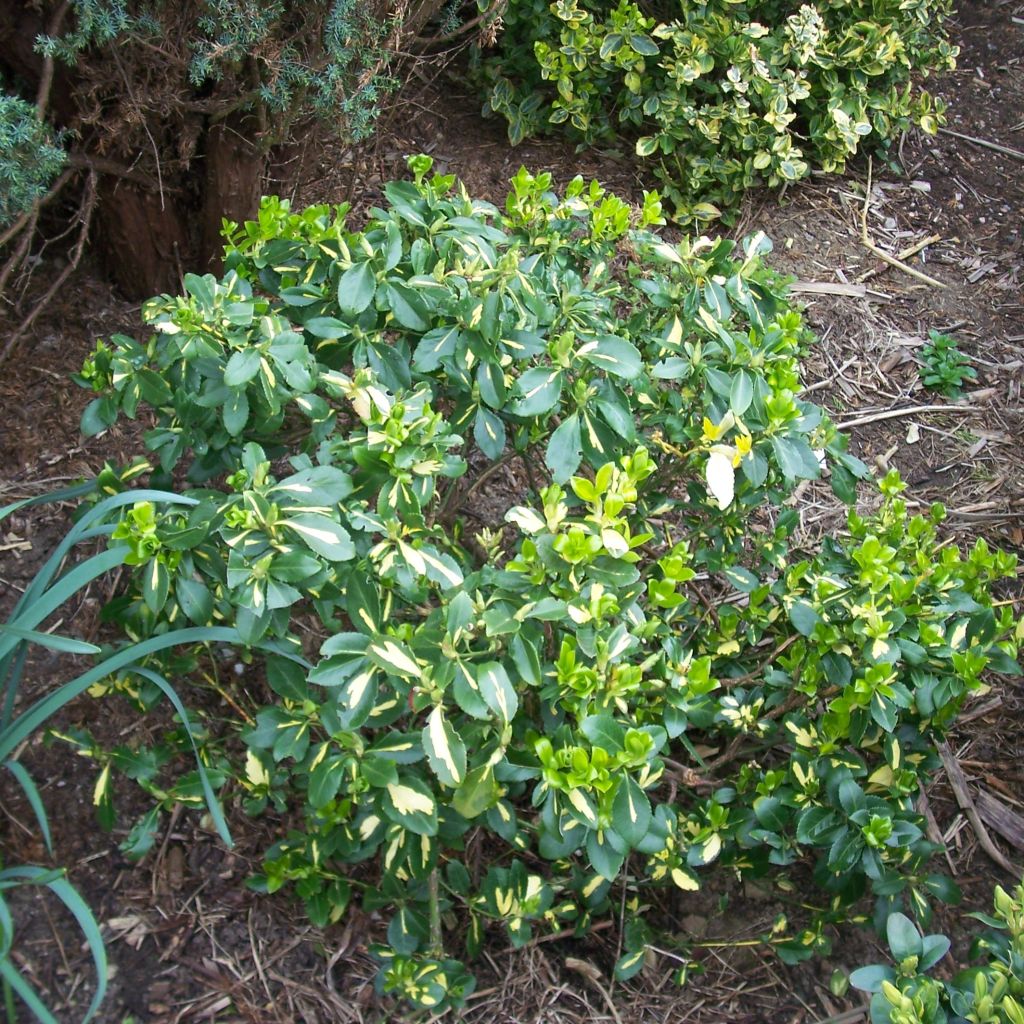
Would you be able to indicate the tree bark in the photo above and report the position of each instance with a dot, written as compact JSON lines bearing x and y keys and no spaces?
{"x":142,"y":242}
{"x":235,"y":167}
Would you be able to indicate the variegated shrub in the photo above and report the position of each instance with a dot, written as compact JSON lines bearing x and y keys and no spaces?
{"x":623,"y":673}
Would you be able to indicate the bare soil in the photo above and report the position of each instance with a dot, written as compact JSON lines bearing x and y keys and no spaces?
{"x":187,"y":940}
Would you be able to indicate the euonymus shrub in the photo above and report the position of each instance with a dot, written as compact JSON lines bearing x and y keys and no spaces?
{"x":631,"y":673}
{"x":723,"y":95}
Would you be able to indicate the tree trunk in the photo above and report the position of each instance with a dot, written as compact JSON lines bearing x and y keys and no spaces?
{"x":235,"y":167}
{"x":142,"y":241}
{"x":147,"y":241}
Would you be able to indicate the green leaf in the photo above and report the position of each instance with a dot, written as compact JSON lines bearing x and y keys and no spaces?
{"x":933,"y":949}
{"x":771,"y":813}
{"x":410,"y":803}
{"x":742,"y":579}
{"x":869,"y":979}
{"x":539,"y":390}
{"x":325,"y":779}
{"x":408,"y":307}
{"x":99,"y":414}
{"x":287,"y":678}
{"x":446,"y":753}
{"x":803,"y":617}
{"x":604,"y":732}
{"x":242,"y":367}
{"x":613,"y":355}
{"x":362,"y":603}
{"x":489,"y":433}
{"x":434,"y":346}
{"x":742,"y":393}
{"x":322,"y":535}
{"x":631,"y":811}
{"x":478,"y":793}
{"x":497,"y":691}
{"x":565,"y":449}
{"x":904,"y":938}
{"x":195,"y":600}
{"x":156,"y":585}
{"x":343,"y":655}
{"x":326,"y":327}
{"x":647,"y":145}
{"x":795,"y":458}
{"x":467,"y":692}
{"x":643,"y":45}
{"x":605,"y":857}
{"x":356,"y":288}
{"x":402,"y":748}
{"x":394,"y":657}
{"x":236,"y":412}
{"x":317,"y":485}
{"x":630,"y":964}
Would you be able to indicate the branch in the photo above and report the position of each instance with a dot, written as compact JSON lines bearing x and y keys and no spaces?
{"x":101,"y":165}
{"x":911,"y":410}
{"x":485,"y":19}
{"x":880,"y":253}
{"x":85,"y":213}
{"x":1005,"y":150}
{"x":46,"y":78}
{"x":23,"y":220}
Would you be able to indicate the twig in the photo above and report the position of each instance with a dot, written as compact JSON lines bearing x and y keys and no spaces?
{"x":880,"y":253}
{"x":36,"y":206}
{"x":958,"y":784}
{"x":18,"y":256}
{"x":1005,"y":150}
{"x":46,"y":78}
{"x":436,"y":936}
{"x":593,"y":975}
{"x":85,"y":216}
{"x":565,"y":933}
{"x":911,"y":410}
{"x":847,"y":1016}
{"x":903,"y":254}
{"x":485,"y":19}
{"x":493,"y":468}
{"x":933,"y":830}
{"x":818,"y":385}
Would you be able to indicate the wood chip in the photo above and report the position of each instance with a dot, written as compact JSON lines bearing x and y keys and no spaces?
{"x":958,"y":783}
{"x":1008,"y":823}
{"x":856,"y":291}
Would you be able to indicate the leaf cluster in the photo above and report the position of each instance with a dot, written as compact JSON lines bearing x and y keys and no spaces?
{"x":945,"y":367}
{"x":29,"y":158}
{"x":990,"y":993}
{"x":724,"y":95}
{"x":628,"y":673}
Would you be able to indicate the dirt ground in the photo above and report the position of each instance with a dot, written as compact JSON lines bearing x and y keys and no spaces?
{"x":188,"y":942}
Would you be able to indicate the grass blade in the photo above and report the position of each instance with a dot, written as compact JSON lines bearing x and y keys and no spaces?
{"x":65,"y":494}
{"x":30,"y":720}
{"x":28,"y":787}
{"x":68,"y":895}
{"x":26,"y":993}
{"x":53,"y":641}
{"x":85,"y":527}
{"x":212,"y":801}
{"x":64,"y":588}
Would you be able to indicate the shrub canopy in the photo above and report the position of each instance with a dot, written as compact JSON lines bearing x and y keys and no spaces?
{"x":724,"y":95}
{"x":629,"y":669}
